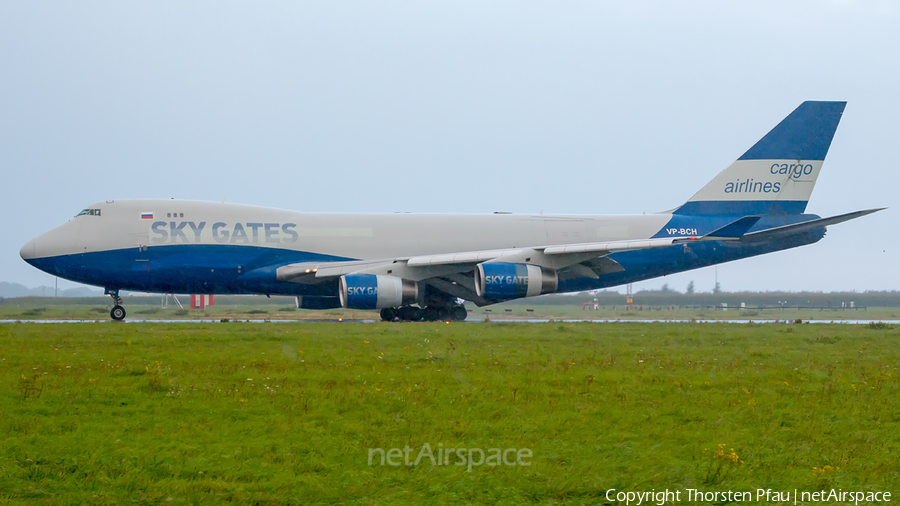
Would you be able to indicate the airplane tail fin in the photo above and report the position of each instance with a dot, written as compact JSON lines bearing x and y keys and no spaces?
{"x":776,"y":175}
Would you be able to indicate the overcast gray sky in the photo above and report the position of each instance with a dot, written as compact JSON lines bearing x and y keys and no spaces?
{"x":567,"y":107}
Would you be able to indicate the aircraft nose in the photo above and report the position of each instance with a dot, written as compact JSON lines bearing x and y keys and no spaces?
{"x":27,"y":251}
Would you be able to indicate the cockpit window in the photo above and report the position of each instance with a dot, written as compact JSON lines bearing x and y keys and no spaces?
{"x":89,"y":212}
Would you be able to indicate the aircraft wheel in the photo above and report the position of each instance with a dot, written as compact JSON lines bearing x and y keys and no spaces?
{"x":388,"y":314}
{"x":458,"y":313}
{"x":410,"y":314}
{"x":117,"y":313}
{"x":432,"y":314}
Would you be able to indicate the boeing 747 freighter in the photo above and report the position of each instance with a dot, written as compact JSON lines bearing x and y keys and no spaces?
{"x":422,"y":266}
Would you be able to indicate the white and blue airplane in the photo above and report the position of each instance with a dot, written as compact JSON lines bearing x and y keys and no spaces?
{"x":420,"y":266}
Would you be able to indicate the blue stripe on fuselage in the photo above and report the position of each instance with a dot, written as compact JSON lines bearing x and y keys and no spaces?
{"x":189,"y":268}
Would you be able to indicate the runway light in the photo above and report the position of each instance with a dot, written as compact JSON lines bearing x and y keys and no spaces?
{"x":307,"y":270}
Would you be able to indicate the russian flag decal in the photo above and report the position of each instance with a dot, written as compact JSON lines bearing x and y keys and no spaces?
{"x":146,"y":216}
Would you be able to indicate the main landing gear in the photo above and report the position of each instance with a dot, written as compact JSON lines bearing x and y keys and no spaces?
{"x":117,"y":312}
{"x":431,"y":313}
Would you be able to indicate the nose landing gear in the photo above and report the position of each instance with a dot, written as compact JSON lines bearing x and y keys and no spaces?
{"x":117,"y":312}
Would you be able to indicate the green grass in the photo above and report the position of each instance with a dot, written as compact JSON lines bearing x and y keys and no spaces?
{"x":285,"y":413}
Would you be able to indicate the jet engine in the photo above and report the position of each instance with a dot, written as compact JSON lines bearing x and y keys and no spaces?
{"x":368,"y":291}
{"x":505,"y":281}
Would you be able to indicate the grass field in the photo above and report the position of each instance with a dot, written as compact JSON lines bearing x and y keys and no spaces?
{"x":286,"y":413}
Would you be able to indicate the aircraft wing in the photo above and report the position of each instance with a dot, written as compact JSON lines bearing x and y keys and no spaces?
{"x":573,"y":259}
{"x":418,"y":268}
{"x":806,"y":226}
{"x":453,"y":272}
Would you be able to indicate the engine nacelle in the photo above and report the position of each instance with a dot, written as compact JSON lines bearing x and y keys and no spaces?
{"x":505,"y":281}
{"x":368,"y":291}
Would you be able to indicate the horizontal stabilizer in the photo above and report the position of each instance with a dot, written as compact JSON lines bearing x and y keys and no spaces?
{"x":806,"y":226}
{"x":733,"y":231}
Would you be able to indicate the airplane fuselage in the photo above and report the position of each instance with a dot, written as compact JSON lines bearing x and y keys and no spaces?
{"x":174,"y":246}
